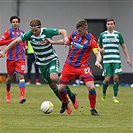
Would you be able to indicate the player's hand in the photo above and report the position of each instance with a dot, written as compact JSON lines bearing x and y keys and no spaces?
{"x":98,"y":65}
{"x":46,"y":41}
{"x":102,"y":51}
{"x":66,"y":41}
{"x":2,"y":54}
{"x":129,"y":62}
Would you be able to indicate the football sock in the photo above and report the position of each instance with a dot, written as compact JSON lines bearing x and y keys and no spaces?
{"x":28,"y":80}
{"x":115,"y":87}
{"x":37,"y":80}
{"x":70,"y":93}
{"x":92,"y":98}
{"x":22,"y":88}
{"x":63,"y":95}
{"x":56,"y":92}
{"x":105,"y":86}
{"x":8,"y":87}
{"x":22,"y":91}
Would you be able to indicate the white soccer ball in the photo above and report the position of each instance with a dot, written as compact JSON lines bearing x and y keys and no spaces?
{"x":132,"y":85}
{"x":47,"y":107}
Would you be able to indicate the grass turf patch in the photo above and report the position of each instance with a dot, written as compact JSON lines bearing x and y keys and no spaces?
{"x":27,"y":117}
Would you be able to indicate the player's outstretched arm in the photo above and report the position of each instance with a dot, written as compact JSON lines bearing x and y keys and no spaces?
{"x":63,"y":32}
{"x":12,"y":44}
{"x":55,"y":41}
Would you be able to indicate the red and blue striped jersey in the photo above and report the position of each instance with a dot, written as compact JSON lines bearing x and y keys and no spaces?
{"x":18,"y":51}
{"x":80,"y":49}
{"x":4,"y":42}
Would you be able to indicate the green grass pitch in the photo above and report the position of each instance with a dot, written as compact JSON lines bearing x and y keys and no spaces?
{"x":28,"y":118}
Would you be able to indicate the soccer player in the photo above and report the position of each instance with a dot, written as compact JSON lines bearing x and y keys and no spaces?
{"x":15,"y":59}
{"x":109,"y":42}
{"x":46,"y":57}
{"x":76,"y":64}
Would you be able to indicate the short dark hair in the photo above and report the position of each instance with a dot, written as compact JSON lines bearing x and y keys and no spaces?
{"x":110,"y":19}
{"x":14,"y":17}
{"x":82,"y":23}
{"x":35,"y":23}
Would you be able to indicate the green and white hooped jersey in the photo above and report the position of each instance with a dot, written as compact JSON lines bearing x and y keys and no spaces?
{"x":44,"y":52}
{"x":110,"y":42}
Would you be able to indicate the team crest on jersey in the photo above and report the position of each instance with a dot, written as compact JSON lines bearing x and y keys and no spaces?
{"x":77,"y":45}
{"x":43,"y":42}
{"x":112,"y":40}
{"x":109,"y":40}
{"x":86,"y":41}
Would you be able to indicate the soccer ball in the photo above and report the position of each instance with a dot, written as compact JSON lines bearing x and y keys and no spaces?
{"x":47,"y":107}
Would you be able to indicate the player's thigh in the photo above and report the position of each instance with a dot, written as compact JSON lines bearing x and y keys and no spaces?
{"x":86,"y":74}
{"x":20,"y":66}
{"x":10,"y":66}
{"x":54,"y":66}
{"x":45,"y":73}
{"x":50,"y":72}
{"x":68,"y":73}
{"x":65,"y":78}
{"x":107,"y":69}
{"x":117,"y":68}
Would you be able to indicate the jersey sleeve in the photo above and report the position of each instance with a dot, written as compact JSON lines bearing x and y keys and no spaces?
{"x":5,"y":40}
{"x":94,"y":45}
{"x":50,"y":32}
{"x":93,"y":42}
{"x":6,"y":35}
{"x":100,"y":40}
{"x":70,"y":37}
{"x":26,"y":36}
{"x":121,"y":39}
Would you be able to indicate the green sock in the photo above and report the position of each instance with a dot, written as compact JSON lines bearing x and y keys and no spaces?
{"x":115,"y":87}
{"x":105,"y":86}
{"x":70,"y":93}
{"x":56,"y":92}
